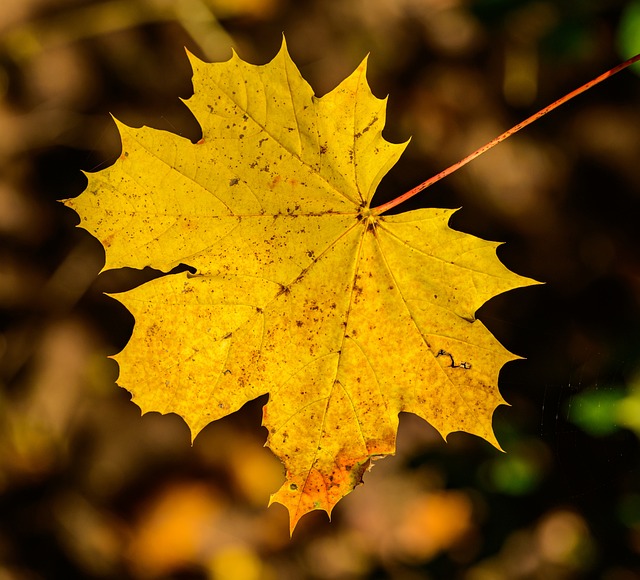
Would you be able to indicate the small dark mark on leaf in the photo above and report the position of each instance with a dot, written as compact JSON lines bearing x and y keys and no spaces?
{"x":463,"y":365}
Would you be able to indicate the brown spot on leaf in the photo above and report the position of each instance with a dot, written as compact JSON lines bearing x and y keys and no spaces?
{"x":277,"y":179}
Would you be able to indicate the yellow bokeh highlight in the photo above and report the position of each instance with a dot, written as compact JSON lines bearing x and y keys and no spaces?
{"x":434,"y":522}
{"x":175,"y":529}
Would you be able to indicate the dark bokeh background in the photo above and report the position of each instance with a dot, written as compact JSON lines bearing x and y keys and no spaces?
{"x":89,"y":489}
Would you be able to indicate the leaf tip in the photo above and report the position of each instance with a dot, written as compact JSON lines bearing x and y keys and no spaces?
{"x":291,"y":516}
{"x":122,"y":127}
{"x":195,"y":62}
{"x":284,"y":51}
{"x":296,"y":515}
{"x":364,"y":63}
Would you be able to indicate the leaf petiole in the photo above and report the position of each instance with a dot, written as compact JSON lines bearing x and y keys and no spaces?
{"x":429,"y":182}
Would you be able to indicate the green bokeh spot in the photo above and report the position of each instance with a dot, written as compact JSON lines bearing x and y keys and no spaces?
{"x":514,"y":475}
{"x":629,"y":33}
{"x":595,"y":412}
{"x":628,"y":510}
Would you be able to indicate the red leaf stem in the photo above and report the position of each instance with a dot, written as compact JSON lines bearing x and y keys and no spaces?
{"x":400,"y":199}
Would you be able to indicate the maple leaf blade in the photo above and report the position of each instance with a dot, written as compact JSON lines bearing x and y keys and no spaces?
{"x":453,"y":366}
{"x":150,"y":202}
{"x":194,"y":331}
{"x":446,"y":372}
{"x":351,"y":109}
{"x":343,"y":317}
{"x":314,"y":129}
{"x":468,"y":270}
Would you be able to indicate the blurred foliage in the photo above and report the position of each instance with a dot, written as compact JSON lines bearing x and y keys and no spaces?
{"x":601,"y":412}
{"x":595,"y":411}
{"x":89,"y":489}
{"x":629,"y":32}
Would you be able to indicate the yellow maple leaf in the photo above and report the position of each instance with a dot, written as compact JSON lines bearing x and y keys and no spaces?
{"x":344,"y":316}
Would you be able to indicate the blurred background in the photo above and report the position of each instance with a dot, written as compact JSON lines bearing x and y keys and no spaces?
{"x":89,"y":489}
